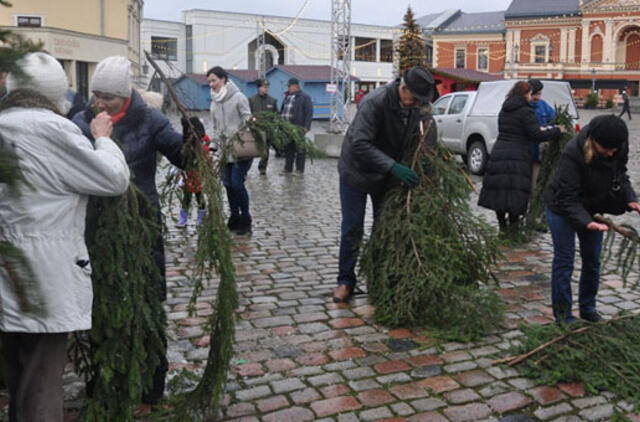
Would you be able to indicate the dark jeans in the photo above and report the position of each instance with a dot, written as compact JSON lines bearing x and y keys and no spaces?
{"x":33,"y":367}
{"x":563,"y":235}
{"x":293,"y":152}
{"x":625,"y":108}
{"x":237,"y":194}
{"x":186,"y":200}
{"x":353,"y":203}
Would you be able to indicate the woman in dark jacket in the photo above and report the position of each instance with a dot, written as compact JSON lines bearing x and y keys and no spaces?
{"x":591,"y":178}
{"x":507,"y":183}
{"x":142,"y":132}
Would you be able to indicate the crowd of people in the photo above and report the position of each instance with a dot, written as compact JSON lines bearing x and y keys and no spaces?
{"x":115,"y":139}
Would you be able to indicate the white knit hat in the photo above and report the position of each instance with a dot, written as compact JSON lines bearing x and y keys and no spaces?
{"x":113,"y":76}
{"x":44,"y":75}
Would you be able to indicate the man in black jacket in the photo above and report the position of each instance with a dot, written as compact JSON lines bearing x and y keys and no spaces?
{"x":375,"y":142}
{"x":297,"y":109}
{"x":262,"y":101}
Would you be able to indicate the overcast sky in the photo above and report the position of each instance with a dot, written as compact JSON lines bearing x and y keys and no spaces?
{"x":374,"y":12}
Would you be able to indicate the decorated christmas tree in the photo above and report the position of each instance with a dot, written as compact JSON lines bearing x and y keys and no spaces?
{"x":411,"y":50}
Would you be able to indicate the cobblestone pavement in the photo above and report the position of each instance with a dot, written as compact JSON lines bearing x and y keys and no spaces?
{"x":300,"y":357}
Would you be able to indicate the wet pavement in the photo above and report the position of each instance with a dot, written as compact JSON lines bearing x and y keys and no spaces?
{"x":301,"y":357}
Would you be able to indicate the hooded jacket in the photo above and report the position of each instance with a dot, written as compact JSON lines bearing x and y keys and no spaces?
{"x":579,"y":190}
{"x":47,"y":220}
{"x":229,"y":113}
{"x":506,"y":186}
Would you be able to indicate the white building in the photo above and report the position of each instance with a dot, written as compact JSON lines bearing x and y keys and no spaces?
{"x":207,"y":38}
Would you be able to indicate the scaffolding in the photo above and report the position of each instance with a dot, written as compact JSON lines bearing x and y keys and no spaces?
{"x":261,"y":60}
{"x":340,"y":63}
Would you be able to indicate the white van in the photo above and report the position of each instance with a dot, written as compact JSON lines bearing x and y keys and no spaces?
{"x":467,"y":121}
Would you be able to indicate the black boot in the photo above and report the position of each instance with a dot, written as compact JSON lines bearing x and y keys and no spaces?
{"x":244,"y":225}
{"x":233,"y":222}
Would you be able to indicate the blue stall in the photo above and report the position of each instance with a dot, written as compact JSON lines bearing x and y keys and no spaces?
{"x":313,"y":80}
{"x":194,"y":92}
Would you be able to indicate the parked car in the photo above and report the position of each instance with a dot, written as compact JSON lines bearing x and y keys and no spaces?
{"x":467,"y":121}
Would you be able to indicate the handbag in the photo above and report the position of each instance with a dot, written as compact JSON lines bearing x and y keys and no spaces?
{"x":246,"y":146}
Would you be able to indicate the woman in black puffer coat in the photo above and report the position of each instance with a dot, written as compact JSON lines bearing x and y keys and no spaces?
{"x":507,"y":183}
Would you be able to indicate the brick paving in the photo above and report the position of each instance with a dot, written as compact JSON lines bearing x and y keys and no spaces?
{"x":300,"y":357}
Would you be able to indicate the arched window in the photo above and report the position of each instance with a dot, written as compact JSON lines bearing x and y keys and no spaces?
{"x":596,"y":49}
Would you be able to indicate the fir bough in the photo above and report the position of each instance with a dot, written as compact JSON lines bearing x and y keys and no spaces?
{"x":603,"y":356}
{"x":535,"y":218}
{"x":269,"y":125}
{"x":124,"y":345}
{"x":212,"y":260}
{"x":428,"y":259}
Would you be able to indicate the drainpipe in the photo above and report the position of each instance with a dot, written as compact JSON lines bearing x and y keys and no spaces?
{"x":102,"y":17}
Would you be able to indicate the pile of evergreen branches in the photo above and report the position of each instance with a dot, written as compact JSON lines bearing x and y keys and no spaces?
{"x":428,"y":259}
{"x":603,"y":356}
{"x":535,"y":218}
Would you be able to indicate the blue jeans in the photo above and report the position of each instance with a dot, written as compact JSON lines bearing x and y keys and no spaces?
{"x":353,"y":203}
{"x":563,"y":235}
{"x":233,"y":181}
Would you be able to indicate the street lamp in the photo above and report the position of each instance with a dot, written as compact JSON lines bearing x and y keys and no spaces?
{"x":593,"y":80}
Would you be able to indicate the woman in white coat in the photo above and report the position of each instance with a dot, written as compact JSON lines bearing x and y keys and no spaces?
{"x":46,"y":221}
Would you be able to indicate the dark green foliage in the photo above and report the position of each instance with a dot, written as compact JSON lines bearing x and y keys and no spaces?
{"x":124,"y":346}
{"x":591,"y":100}
{"x":535,"y":218}
{"x":212,"y":260}
{"x":428,"y":259}
{"x":411,"y":51}
{"x":603,"y":356}
{"x":269,"y":125}
{"x":609,"y":103}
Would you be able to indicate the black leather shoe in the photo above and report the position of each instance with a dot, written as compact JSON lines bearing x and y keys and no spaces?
{"x":244,"y":225}
{"x":232,"y":223}
{"x":591,"y":316}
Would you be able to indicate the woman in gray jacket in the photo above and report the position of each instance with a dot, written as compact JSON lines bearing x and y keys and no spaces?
{"x":229,"y":110}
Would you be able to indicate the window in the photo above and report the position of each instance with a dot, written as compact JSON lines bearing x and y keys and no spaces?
{"x":164,"y":48}
{"x":31,"y":21}
{"x":440,"y":106}
{"x":386,"y":51}
{"x":483,"y":59}
{"x":460,"y":58}
{"x":365,"y":49}
{"x":540,"y":54}
{"x":429,"y":54}
{"x":457,"y":105}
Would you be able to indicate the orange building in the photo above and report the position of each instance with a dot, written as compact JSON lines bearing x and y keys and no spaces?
{"x":590,"y":43}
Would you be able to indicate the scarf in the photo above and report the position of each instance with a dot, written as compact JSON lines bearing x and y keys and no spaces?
{"x":217,"y":97}
{"x":27,"y":98}
{"x":119,"y":115}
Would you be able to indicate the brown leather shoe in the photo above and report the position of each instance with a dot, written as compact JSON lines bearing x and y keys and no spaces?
{"x":342,"y":293}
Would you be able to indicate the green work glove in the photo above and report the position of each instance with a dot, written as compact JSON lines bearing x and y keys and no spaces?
{"x":405,"y":174}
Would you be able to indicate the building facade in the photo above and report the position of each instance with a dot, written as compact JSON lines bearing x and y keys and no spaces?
{"x":79,"y":33}
{"x":207,"y":38}
{"x":593,"y":44}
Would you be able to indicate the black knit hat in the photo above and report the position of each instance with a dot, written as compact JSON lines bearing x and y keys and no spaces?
{"x":263,"y":82}
{"x":609,"y":131}
{"x":420,"y":82}
{"x":536,"y":85}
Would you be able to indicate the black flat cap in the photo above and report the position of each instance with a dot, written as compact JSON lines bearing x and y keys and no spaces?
{"x":293,"y":81}
{"x":420,"y":82}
